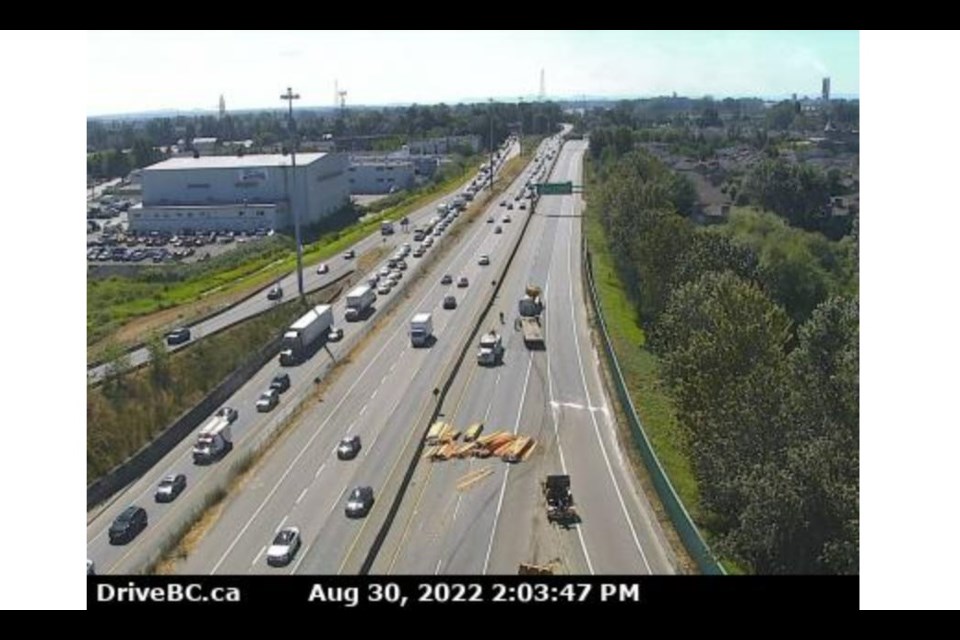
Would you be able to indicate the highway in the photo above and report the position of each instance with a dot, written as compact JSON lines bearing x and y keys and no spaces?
{"x":554,"y":395}
{"x":385,"y":397}
{"x":258,"y":303}
{"x":385,"y":346}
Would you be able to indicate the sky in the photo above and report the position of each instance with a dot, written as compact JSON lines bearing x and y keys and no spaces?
{"x":135,"y":71}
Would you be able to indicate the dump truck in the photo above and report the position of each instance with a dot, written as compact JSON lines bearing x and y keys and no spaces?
{"x":303,"y":333}
{"x":213,"y":440}
{"x":359,"y":301}
{"x":530,"y":307}
{"x":491,"y":349}
{"x":421,"y":330}
{"x":560,"y":508}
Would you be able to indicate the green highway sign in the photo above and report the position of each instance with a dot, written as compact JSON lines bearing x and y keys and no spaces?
{"x":554,"y":188}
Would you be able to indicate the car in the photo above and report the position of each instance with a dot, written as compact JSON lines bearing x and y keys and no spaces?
{"x":503,"y":203}
{"x":275,"y":293}
{"x":349,"y":254}
{"x":396,"y":274}
{"x":178,"y":336}
{"x":373,"y":280}
{"x":280,"y":382}
{"x":359,"y":502}
{"x":128,"y":525}
{"x":384,"y":288}
{"x":384,"y":272}
{"x":498,"y":229}
{"x":418,"y":253}
{"x":489,"y":219}
{"x":406,"y":247}
{"x":322,"y":268}
{"x":392,"y":263}
{"x":335,"y":334}
{"x":170,"y":487}
{"x":510,"y":206}
{"x":428,"y":242}
{"x":284,"y":547}
{"x":348,"y":448}
{"x":484,"y":260}
{"x":449,"y":302}
{"x":516,"y":197}
{"x":506,"y":218}
{"x":268,"y":400}
{"x":446,"y":279}
{"x":229,"y":413}
{"x":462,"y":281}
{"x":91,"y":568}
{"x":401,"y":265}
{"x":523,"y":205}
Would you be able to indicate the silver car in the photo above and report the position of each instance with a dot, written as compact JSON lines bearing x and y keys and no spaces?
{"x":284,"y":547}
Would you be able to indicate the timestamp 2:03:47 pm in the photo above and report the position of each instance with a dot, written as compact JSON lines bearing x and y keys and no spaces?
{"x":439,"y":592}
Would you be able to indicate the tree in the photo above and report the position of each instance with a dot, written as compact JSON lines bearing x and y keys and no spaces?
{"x":723,"y":344}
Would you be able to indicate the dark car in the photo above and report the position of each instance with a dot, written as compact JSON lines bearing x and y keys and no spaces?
{"x":229,"y":413}
{"x":359,"y":502}
{"x":128,"y":524}
{"x":449,"y":302}
{"x":280,"y":382}
{"x":498,"y":229}
{"x":178,"y":336}
{"x":170,"y":487}
{"x":275,"y":293}
{"x":348,"y":448}
{"x":447,"y":279}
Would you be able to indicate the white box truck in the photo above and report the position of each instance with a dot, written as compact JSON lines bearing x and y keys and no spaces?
{"x":421,"y":330}
{"x":213,"y":440}
{"x":358,"y":301}
{"x":303,"y":333}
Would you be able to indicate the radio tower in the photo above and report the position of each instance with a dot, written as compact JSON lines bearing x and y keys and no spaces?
{"x":543,"y":85}
{"x":343,"y":101}
{"x":336,"y":93}
{"x":223,"y":107}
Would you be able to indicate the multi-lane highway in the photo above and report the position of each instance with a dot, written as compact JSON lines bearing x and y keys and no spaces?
{"x":385,"y":395}
{"x":555,"y":396}
{"x":258,"y":302}
{"x":384,"y":399}
{"x":251,"y":427}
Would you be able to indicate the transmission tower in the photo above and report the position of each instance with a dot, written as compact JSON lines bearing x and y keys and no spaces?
{"x":543,"y":85}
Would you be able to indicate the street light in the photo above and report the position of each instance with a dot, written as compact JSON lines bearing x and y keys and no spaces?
{"x":491,"y":145}
{"x":290,"y":96}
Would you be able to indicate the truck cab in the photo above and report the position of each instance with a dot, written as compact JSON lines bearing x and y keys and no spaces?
{"x":491,"y":349}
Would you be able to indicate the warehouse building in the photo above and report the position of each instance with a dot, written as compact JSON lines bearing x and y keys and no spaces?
{"x":374,"y":175}
{"x":240,"y":193}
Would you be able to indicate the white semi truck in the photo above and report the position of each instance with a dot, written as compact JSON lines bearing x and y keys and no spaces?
{"x":303,"y":333}
{"x":358,"y":301}
{"x":213,"y":440}
{"x":421,"y":330}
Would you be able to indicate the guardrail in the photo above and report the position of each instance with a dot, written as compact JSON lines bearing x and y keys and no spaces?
{"x":448,"y":376}
{"x":154,"y":451}
{"x":682,"y":523}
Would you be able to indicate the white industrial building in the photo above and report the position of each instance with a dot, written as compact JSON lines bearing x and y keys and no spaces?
{"x":240,"y":192}
{"x":373,"y":175}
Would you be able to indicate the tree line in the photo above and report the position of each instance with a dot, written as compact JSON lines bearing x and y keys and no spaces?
{"x":756,"y":324}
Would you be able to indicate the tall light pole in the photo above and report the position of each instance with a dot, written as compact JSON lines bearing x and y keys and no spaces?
{"x":520,"y":113}
{"x":290,"y":96}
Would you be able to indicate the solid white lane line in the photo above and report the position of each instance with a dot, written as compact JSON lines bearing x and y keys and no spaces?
{"x":593,"y":416}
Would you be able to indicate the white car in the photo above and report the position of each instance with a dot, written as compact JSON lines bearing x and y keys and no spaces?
{"x":350,"y":254}
{"x":284,"y":547}
{"x":506,"y":218}
{"x":396,"y":274}
{"x":384,"y":272}
{"x":484,"y":260}
{"x":322,"y":268}
{"x":384,"y":288}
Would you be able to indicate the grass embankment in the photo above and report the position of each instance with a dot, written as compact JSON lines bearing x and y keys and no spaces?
{"x":641,"y":368}
{"x":116,"y":302}
{"x":130,"y":409}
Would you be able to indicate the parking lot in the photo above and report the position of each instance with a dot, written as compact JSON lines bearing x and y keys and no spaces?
{"x":114,"y":245}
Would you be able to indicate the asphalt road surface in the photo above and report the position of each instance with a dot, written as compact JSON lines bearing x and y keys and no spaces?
{"x":385,"y":365}
{"x":385,"y":397}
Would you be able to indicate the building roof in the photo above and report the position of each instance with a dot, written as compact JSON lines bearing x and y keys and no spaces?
{"x":234,"y":162}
